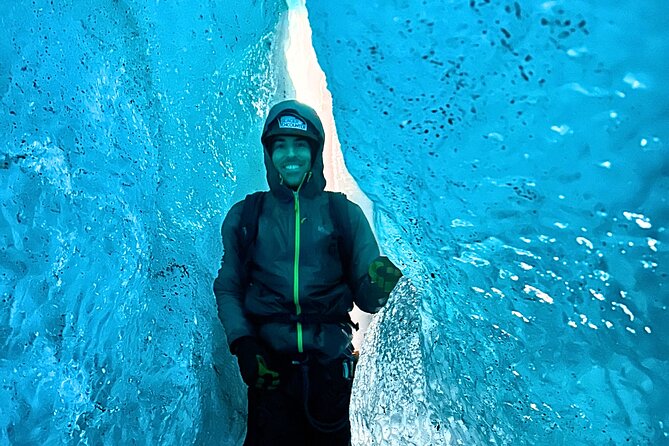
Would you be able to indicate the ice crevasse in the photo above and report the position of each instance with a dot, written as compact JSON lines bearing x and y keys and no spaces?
{"x":516,"y":156}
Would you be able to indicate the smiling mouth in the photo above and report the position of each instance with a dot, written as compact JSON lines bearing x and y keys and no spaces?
{"x":292,"y":167}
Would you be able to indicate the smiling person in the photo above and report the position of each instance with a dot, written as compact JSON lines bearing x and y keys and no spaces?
{"x":295,"y":261}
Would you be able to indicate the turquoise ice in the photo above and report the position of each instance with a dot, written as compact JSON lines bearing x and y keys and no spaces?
{"x":516,"y":155}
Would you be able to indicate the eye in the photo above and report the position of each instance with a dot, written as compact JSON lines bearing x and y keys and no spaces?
{"x":302,"y":144}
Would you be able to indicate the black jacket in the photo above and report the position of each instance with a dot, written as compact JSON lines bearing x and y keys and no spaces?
{"x":296,"y":272}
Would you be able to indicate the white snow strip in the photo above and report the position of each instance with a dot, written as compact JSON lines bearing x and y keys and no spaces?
{"x":639,"y":219}
{"x":525,"y":266}
{"x":521,"y":252}
{"x":584,"y":241}
{"x":520,"y":315}
{"x":544,"y":297}
{"x":459,"y":223}
{"x":561,"y":129}
{"x":597,"y":295}
{"x":625,"y":310}
{"x":497,"y":291}
{"x":632,"y":80}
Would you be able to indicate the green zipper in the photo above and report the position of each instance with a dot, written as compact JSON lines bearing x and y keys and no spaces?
{"x":296,"y":267}
{"x":296,"y":272}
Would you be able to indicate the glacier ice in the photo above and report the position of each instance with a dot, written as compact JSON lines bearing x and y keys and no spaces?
{"x":128,"y":128}
{"x":516,"y":156}
{"x":505,"y":146}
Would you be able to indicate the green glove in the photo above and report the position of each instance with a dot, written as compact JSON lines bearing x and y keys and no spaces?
{"x":267,"y":379}
{"x":251,"y":357}
{"x":384,"y":274}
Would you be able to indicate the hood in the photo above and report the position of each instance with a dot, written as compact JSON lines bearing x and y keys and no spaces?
{"x":315,"y":181}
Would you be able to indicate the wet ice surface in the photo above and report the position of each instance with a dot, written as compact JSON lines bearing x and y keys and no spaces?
{"x":389,"y":405}
{"x":517,"y":157}
{"x":516,"y":154}
{"x":126,"y":133}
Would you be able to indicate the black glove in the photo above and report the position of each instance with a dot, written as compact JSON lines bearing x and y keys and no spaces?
{"x":384,"y":274}
{"x":252,"y":365}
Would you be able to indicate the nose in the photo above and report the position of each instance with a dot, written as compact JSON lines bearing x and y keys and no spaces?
{"x":291,"y":150}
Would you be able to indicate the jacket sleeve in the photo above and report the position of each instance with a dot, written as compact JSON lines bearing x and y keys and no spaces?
{"x":228,"y":288}
{"x":365,"y":249}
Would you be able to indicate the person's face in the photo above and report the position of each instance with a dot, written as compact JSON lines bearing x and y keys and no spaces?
{"x":291,"y":156}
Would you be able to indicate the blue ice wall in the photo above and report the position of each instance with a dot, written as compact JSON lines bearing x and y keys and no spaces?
{"x":516,"y":153}
{"x":127,"y":127}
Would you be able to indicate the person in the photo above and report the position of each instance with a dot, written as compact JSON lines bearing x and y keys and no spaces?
{"x":295,"y":260}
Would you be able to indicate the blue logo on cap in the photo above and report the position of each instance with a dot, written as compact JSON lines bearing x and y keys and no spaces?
{"x":292,"y":122}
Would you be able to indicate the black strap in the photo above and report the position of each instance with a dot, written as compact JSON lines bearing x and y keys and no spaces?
{"x":247,"y":230}
{"x":291,"y":318}
{"x":338,"y":205}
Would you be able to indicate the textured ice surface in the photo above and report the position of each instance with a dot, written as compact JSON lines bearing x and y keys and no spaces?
{"x":127,"y":128}
{"x":517,"y":156}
